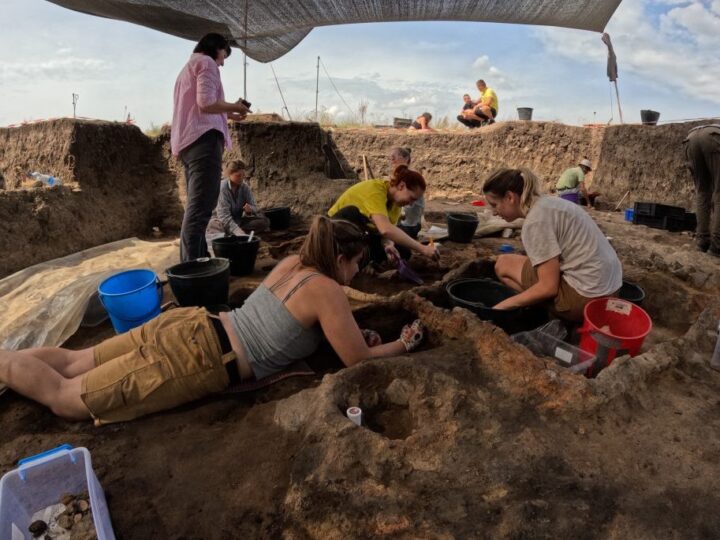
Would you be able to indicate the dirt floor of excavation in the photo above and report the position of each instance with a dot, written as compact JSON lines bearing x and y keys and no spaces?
{"x":491,"y":465}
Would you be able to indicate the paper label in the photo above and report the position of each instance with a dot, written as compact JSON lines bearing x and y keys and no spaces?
{"x":615,"y":305}
{"x":564,"y":356}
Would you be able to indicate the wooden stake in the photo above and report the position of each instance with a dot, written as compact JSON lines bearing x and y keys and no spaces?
{"x":621,"y":200}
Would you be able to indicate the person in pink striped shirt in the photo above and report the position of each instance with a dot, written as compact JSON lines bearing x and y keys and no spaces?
{"x":199,"y":136}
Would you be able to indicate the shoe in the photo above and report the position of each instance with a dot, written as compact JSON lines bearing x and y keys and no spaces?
{"x":702,"y":246}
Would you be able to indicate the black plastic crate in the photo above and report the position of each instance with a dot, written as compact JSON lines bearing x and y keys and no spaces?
{"x":657,"y":210}
{"x":690,"y":221}
{"x":666,"y":223}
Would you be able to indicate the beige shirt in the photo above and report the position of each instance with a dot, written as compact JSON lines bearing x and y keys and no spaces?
{"x":556,"y":227}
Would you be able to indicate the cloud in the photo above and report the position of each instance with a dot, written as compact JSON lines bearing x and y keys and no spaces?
{"x":55,"y":69}
{"x":482,"y":62}
{"x":678,"y":49}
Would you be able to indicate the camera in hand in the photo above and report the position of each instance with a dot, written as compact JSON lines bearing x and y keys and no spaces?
{"x":245,"y":102}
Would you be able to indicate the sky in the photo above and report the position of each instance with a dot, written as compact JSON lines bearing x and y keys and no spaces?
{"x":666,"y":49}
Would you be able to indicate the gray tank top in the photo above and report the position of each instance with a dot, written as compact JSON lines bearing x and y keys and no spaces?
{"x":272,"y":337}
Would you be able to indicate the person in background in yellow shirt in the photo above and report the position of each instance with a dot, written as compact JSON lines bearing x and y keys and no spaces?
{"x":375,"y":206}
{"x":486,"y":106}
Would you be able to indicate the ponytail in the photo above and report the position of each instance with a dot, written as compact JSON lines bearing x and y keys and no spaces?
{"x":522,"y":182}
{"x":326,"y":240}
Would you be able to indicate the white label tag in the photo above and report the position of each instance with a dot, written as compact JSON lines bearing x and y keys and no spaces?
{"x":623,"y":307}
{"x":563,"y":355}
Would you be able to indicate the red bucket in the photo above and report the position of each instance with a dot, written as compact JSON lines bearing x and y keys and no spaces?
{"x":623,"y":322}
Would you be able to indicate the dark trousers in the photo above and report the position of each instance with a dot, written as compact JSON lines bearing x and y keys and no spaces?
{"x":702,"y":149}
{"x":203,"y":172}
{"x":376,"y":250}
{"x":412,"y":231}
{"x":468,"y":122}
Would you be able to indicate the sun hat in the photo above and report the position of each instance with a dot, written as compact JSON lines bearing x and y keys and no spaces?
{"x":585,"y":163}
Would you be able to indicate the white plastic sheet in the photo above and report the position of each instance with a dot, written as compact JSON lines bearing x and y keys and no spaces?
{"x":42,"y":306}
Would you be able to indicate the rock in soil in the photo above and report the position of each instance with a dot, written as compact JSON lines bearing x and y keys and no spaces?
{"x":37,"y":528}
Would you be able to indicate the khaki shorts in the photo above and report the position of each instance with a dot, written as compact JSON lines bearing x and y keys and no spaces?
{"x":568,"y":304}
{"x":173,"y":359}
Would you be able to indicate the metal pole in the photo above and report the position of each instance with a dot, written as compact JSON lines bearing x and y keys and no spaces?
{"x":245,"y":63}
{"x":317,"y":87}
{"x":244,"y":75}
{"x":617,"y":94}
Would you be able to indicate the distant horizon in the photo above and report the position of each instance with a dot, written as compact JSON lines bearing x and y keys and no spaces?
{"x":665,"y":55}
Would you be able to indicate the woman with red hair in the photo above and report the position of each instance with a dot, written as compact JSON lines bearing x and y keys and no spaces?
{"x":375,"y":206}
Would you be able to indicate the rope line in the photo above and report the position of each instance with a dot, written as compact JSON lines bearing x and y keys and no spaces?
{"x":352,"y":113}
{"x":281,"y":93}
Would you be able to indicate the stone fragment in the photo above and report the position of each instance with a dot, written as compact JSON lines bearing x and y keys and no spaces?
{"x":37,"y":528}
{"x":65,"y":521}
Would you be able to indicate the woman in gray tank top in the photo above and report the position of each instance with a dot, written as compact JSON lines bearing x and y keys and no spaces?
{"x":186,"y":353}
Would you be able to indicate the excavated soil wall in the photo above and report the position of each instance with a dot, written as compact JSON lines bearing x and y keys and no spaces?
{"x":647,"y":161}
{"x":286,"y":165}
{"x":118,"y":183}
{"x":115,"y":184}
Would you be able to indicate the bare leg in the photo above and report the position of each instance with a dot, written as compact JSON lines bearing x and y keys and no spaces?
{"x":486,"y":111}
{"x":508,"y":269}
{"x":35,"y":379}
{"x":67,"y":363}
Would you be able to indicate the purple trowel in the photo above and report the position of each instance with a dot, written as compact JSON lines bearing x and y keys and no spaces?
{"x":407,"y":273}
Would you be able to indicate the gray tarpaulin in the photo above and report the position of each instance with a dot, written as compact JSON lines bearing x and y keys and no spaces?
{"x":267,"y":29}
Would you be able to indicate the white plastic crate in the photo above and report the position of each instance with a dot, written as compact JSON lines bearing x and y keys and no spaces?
{"x":566,"y":355}
{"x":40,"y":481}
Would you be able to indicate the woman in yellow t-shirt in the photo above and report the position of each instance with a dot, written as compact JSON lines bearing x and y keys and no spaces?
{"x":375,"y":206}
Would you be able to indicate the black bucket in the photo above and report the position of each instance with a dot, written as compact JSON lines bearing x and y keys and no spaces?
{"x":462,"y":227}
{"x":239,"y":251}
{"x":649,"y":118}
{"x":524,"y":113}
{"x":632,"y":292}
{"x":202,"y":282}
{"x":479,"y":295}
{"x":279,"y":217}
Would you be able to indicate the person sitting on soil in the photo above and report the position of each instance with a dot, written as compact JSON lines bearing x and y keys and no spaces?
{"x":486,"y":106}
{"x":187,"y":353}
{"x":412,"y":214}
{"x":571,"y":184}
{"x":375,"y":206}
{"x":422,"y":122}
{"x":468,"y":105}
{"x":236,"y":212}
{"x":702,"y":149}
{"x":569,"y":261}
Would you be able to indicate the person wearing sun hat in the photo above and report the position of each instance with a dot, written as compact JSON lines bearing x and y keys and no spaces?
{"x":571,"y":185}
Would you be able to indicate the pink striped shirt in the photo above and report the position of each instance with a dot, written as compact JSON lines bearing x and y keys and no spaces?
{"x":198,"y":85}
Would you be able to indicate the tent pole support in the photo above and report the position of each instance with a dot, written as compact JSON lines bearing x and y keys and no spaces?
{"x":617,"y":94}
{"x":317,"y":87}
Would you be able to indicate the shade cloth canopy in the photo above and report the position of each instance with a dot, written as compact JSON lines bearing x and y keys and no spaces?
{"x":267,"y":29}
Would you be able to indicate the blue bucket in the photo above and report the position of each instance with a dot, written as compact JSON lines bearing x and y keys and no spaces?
{"x":629,"y":214}
{"x":131,"y":298}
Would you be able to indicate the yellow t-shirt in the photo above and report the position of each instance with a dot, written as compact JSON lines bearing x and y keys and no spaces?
{"x":370,"y":197}
{"x":490,"y":93}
